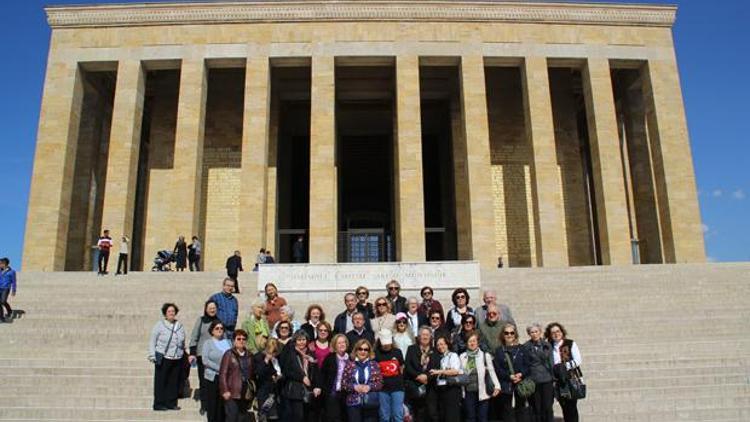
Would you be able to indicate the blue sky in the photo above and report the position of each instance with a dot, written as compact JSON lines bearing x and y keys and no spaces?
{"x":711,"y":40}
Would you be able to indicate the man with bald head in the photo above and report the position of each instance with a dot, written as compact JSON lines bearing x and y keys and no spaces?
{"x":489,"y":297}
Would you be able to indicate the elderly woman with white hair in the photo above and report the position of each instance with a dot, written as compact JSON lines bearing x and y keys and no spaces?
{"x":538,"y":361}
{"x":286,"y":313}
{"x":256,"y":326}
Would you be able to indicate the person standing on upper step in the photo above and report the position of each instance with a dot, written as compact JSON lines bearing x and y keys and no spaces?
{"x":274,"y":302}
{"x":398,"y":302}
{"x":227,"y":306}
{"x":104,"y":244}
{"x":180,"y":253}
{"x":194,"y":254}
{"x":556,"y":334}
{"x":122,"y":259}
{"x":538,"y":355}
{"x":7,"y":288}
{"x":489,"y":297}
{"x":298,"y":250}
{"x":234,"y":266}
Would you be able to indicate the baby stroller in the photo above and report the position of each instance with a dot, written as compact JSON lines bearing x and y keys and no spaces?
{"x":163,"y":261}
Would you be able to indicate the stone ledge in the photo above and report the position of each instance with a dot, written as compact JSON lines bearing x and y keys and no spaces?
{"x":260,"y":11}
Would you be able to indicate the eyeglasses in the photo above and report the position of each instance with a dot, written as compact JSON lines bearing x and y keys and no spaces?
{"x":240,"y":338}
{"x":401,"y":321}
{"x":361,"y":293}
{"x":394,"y":288}
{"x":460,"y":296}
{"x":469,"y":322}
{"x":509,"y":333}
{"x":492,"y":313}
{"x":363,"y":349}
{"x":435,"y":318}
{"x":382,"y":304}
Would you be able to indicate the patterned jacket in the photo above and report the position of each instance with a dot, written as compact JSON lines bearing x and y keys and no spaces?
{"x":347,"y":381}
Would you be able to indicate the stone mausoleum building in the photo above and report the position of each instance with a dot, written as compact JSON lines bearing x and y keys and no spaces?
{"x":548,"y":134}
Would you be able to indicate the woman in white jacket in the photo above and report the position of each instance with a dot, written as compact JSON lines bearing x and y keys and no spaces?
{"x":477,"y":365}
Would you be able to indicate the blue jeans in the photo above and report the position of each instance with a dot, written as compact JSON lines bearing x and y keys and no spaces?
{"x":475,"y":410}
{"x":391,"y":406}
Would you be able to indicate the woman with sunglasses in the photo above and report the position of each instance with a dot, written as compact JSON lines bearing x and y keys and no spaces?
{"x":468,"y":327}
{"x":510,"y":350}
{"x":460,"y":298}
{"x":333,"y":370}
{"x":301,"y":379}
{"x":363,"y":302}
{"x":402,"y":333}
{"x":429,"y":303}
{"x":383,"y":316}
{"x":445,"y":397}
{"x":362,"y":381}
{"x":212,"y":352}
{"x":437,"y":327}
{"x":283,"y":332}
{"x":235,"y":374}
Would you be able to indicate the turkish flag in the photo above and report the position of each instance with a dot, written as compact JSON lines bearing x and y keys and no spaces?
{"x":390,"y":368}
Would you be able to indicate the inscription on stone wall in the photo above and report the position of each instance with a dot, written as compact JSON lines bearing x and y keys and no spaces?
{"x":346,"y":277}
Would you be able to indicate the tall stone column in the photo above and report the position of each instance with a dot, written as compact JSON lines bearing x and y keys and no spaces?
{"x":609,"y":185}
{"x":478,"y":160}
{"x":253,"y":192}
{"x":124,"y":148}
{"x":185,"y":187}
{"x":323,"y":213}
{"x":54,"y":162}
{"x":546,"y":193}
{"x":410,"y":237}
{"x":673,"y":164}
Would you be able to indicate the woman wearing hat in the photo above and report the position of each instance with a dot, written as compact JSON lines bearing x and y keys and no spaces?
{"x":391,"y":363}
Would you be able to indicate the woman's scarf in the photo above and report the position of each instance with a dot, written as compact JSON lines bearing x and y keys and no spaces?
{"x":471,"y":363}
{"x":363,"y":371}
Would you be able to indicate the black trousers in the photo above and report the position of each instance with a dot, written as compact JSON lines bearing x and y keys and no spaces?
{"x":8,"y":313}
{"x":195,"y":262}
{"x":236,"y":410}
{"x":444,"y":403}
{"x":167,"y":383}
{"x":236,"y":282}
{"x":103,"y":261}
{"x":212,"y":401}
{"x":570,"y":410}
{"x":201,"y":381}
{"x":357,"y":414}
{"x":122,"y":264}
{"x":506,"y":412}
{"x":335,"y":408}
{"x":541,"y":402}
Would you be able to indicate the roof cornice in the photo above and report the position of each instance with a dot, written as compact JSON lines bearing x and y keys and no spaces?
{"x":259,"y":11}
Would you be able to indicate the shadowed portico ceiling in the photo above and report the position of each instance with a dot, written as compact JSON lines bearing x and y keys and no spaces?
{"x":257,"y":11}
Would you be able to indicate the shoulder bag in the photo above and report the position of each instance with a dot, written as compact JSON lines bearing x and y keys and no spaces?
{"x":526,"y":387}
{"x":158,"y":356}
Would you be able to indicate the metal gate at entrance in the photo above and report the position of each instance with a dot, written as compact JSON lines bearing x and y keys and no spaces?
{"x":365,"y":245}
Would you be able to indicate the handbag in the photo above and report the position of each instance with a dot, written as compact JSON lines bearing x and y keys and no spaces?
{"x":158,"y":356}
{"x":459,"y":380}
{"x":577,"y":385}
{"x":526,"y":387}
{"x":370,"y":400}
{"x":415,"y":390}
{"x":489,"y":385}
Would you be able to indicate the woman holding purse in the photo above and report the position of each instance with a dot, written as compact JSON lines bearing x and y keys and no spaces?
{"x":236,"y":378}
{"x":301,"y":378}
{"x":483,"y":383}
{"x":445,"y":397}
{"x":362,"y":381}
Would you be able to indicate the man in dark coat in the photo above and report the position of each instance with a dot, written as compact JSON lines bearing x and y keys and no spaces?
{"x":234,"y":266}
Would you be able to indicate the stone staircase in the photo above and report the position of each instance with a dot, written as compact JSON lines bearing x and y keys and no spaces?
{"x":659,"y":343}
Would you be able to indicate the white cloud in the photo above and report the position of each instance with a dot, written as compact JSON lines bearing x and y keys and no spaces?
{"x":705,"y":228}
{"x":739,"y":194}
{"x":717,"y":193}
